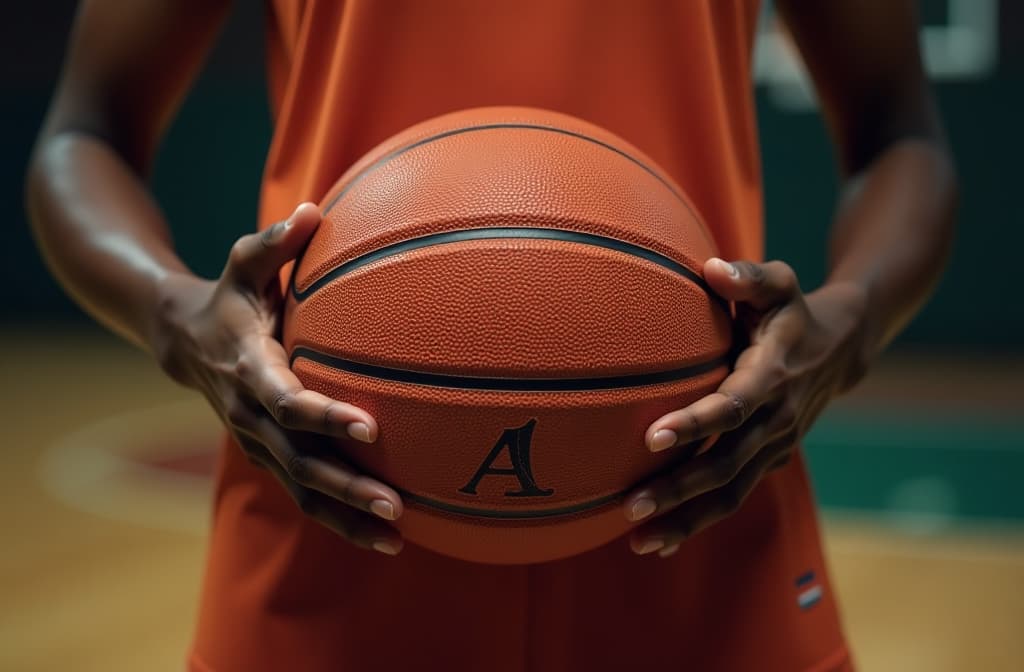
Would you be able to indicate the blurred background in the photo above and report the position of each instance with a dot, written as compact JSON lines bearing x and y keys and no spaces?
{"x":105,"y":471}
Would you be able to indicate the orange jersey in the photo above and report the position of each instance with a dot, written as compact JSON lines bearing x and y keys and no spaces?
{"x":674,"y":79}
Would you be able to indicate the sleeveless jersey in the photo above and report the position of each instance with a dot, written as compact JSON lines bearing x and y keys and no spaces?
{"x":673,"y":78}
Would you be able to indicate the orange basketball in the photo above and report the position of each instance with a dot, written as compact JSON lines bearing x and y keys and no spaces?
{"x":515,"y":295}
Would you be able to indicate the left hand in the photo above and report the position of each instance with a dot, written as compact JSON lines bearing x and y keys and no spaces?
{"x":803,"y":351}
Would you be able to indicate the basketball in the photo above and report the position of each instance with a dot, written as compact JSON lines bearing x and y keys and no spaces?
{"x":515,"y":295}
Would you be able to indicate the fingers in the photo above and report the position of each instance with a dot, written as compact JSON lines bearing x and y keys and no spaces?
{"x":256,"y":259}
{"x":762,"y":286}
{"x":664,"y":535}
{"x":760,"y":368}
{"x":738,"y":397}
{"x":756,"y":420}
{"x":310,"y":469}
{"x":704,"y":473}
{"x":264,"y":369}
{"x":357,"y":527}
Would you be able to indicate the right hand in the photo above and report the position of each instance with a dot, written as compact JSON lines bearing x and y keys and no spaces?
{"x":219,"y":337}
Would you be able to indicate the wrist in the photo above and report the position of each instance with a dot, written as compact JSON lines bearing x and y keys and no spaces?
{"x":179,"y":297}
{"x":843,"y":309}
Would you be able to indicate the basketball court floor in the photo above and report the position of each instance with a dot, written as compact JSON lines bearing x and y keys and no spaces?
{"x":104,"y":499}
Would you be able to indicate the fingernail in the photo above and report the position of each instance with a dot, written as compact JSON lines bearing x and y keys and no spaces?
{"x":359,"y":431}
{"x":385,"y":547}
{"x":666,"y":552}
{"x":727,"y":267}
{"x":662,"y":439}
{"x":383,"y":508}
{"x":650,"y":546}
{"x":642,"y":508}
{"x":300,"y":206}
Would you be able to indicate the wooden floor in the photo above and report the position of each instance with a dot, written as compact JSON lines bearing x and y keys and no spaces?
{"x":102,"y":552}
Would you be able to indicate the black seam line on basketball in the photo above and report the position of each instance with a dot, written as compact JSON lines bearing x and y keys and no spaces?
{"x":447,"y":237}
{"x":509,"y":514}
{"x":536,"y":127}
{"x":506,"y":383}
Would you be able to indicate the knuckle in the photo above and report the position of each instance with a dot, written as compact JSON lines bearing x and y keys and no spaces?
{"x":283,"y":408}
{"x":737,"y":409}
{"x":236,"y":412}
{"x":694,"y":423}
{"x":778,"y":372}
{"x":299,"y":469}
{"x":244,"y":367}
{"x":325,"y":417}
{"x":239,"y":253}
{"x":347,"y":494}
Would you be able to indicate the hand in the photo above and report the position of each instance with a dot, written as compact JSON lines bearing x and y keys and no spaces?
{"x":803,"y":351}
{"x":220,"y":338}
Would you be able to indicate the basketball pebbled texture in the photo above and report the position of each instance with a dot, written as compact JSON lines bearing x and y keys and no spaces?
{"x":515,"y":295}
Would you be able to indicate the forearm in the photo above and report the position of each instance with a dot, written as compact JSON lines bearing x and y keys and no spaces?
{"x":100,"y":232}
{"x":892,"y":235}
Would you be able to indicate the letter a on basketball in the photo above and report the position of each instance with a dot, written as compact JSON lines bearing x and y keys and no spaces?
{"x":517,"y":439}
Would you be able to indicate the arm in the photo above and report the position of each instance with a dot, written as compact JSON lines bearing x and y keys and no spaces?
{"x":95,"y":221}
{"x":128,"y":66}
{"x":893,"y":230}
{"x":890,"y":239}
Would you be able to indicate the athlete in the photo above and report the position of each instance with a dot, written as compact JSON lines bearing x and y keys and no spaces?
{"x":305,"y":571}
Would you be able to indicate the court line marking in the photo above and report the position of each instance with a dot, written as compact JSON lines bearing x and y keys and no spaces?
{"x":83,"y":469}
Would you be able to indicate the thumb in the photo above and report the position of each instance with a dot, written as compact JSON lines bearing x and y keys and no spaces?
{"x":255,"y":259}
{"x":762,"y":286}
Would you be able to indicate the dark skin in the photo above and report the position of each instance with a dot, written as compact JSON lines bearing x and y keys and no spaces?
{"x":890,"y":238}
{"x":127,"y":69}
